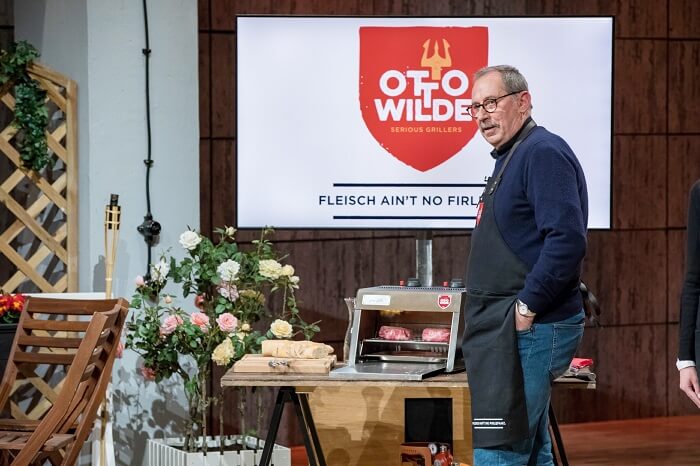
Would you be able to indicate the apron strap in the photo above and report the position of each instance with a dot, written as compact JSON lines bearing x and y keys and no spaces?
{"x":521,"y":137}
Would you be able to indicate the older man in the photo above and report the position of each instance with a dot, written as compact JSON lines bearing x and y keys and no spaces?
{"x":524,"y":317}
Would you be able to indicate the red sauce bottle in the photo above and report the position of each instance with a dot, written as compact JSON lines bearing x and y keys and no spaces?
{"x":443,"y":458}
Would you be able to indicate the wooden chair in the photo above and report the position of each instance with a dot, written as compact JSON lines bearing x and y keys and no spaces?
{"x":61,"y":409}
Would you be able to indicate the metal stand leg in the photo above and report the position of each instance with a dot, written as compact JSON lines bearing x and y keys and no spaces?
{"x":306,"y":424}
{"x":304,"y":400}
{"x":274,"y":426}
{"x":310,"y":451}
{"x":558,"y":441}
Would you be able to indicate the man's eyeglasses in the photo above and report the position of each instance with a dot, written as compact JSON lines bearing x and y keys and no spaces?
{"x":489,"y":105}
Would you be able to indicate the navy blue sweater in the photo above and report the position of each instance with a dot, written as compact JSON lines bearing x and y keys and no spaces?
{"x":541,"y":209}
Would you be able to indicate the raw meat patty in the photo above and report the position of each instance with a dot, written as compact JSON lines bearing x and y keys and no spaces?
{"x":394,"y":333}
{"x":436,"y":334}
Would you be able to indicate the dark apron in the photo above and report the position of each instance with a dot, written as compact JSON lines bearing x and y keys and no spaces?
{"x":490,"y":346}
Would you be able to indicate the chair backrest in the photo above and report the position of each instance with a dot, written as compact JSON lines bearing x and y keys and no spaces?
{"x":81,"y":380}
{"x":48,"y":335}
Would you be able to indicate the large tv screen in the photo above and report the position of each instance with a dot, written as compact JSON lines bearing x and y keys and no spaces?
{"x":361,"y":122}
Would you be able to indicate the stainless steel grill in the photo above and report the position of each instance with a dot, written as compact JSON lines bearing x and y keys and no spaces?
{"x":411,"y":308}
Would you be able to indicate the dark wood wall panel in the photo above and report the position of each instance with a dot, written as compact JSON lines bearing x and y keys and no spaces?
{"x":203,"y":15}
{"x":683,"y":169}
{"x":449,"y":257}
{"x":684,"y":69}
{"x":205,"y":167}
{"x":640,"y":86}
{"x":641,"y":204}
{"x":223,"y":85}
{"x":676,"y":268}
{"x":640,"y":18}
{"x":627,"y":270}
{"x":204,"y":86}
{"x":222,"y":182}
{"x":7,"y":14}
{"x":636,"y":269}
{"x":683,"y":19}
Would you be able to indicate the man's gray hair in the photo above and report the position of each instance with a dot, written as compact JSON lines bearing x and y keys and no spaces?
{"x":513,"y":80}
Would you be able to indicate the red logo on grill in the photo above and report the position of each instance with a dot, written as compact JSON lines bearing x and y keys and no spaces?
{"x":415,"y":86}
{"x":444,"y":301}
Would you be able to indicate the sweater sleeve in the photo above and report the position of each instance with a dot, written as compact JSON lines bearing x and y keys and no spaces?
{"x":690,"y":296}
{"x":553,"y":187}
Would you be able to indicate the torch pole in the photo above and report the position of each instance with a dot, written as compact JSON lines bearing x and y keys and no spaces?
{"x":112,"y":223}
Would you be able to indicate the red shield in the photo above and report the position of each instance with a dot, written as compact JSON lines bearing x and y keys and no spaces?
{"x":444,"y":301}
{"x":415,"y":84}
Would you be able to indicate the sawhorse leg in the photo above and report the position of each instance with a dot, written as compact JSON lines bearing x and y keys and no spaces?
{"x":306,"y":424}
{"x":557,"y":440}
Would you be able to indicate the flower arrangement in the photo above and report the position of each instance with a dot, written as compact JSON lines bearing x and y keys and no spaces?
{"x":11,"y":306}
{"x":234,"y":292}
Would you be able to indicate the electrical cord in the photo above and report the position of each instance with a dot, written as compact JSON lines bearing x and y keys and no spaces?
{"x":150,"y":229}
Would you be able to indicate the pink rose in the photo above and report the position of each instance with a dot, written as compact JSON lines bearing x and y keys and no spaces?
{"x":170,"y":324}
{"x":229,"y":291}
{"x":201,"y":320}
{"x":120,"y":349}
{"x":148,"y":373}
{"x":227,"y":322}
{"x":139,"y":281}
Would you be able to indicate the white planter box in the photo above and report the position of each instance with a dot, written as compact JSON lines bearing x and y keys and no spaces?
{"x":160,"y":452}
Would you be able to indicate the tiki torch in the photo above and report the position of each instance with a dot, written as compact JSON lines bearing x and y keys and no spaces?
{"x":112,"y":219}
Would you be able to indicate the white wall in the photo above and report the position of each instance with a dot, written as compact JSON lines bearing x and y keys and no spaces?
{"x":98,"y":43}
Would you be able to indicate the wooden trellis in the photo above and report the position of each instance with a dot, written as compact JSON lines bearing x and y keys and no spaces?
{"x":42,"y":240}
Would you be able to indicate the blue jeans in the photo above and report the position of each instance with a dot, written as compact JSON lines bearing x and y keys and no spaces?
{"x":546,"y":351}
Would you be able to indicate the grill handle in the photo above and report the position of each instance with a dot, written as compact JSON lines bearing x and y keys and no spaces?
{"x":350,"y":303}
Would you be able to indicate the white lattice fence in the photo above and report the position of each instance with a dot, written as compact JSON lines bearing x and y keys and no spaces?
{"x":41,"y":239}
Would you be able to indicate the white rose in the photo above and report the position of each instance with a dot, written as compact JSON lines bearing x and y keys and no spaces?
{"x":287,"y":270}
{"x":228,"y":271}
{"x":160,"y":270}
{"x":294,"y":280}
{"x":281,"y":329}
{"x":229,"y":231}
{"x":223,"y":353}
{"x":245,"y":327}
{"x":190,"y":239}
{"x":270,"y":268}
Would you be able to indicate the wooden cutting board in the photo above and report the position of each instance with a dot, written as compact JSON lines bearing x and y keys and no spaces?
{"x":257,"y":363}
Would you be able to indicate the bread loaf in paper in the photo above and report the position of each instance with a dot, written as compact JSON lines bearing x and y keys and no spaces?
{"x":295,"y":349}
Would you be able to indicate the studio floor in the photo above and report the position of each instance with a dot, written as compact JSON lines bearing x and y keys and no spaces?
{"x":672,"y":441}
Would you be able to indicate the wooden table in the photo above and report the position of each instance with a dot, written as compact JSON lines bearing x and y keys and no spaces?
{"x":343,"y":405}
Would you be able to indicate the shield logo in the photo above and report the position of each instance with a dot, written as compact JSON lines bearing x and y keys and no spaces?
{"x":415,"y":85}
{"x":444,"y":301}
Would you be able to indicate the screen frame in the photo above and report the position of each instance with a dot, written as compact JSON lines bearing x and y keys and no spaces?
{"x":418,"y":228}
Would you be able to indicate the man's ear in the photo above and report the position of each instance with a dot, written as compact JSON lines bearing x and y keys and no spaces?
{"x":525,"y":102}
